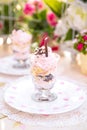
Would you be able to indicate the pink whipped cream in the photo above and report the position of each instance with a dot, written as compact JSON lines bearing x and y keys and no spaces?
{"x":45,"y":63}
{"x":20,"y":37}
{"x":20,"y":44}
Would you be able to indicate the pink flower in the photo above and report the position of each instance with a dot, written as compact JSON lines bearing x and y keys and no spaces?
{"x":85,"y":37}
{"x":1,"y":25}
{"x":21,"y":18}
{"x":55,"y":48}
{"x":38,"y":3}
{"x":55,"y":37}
{"x":80,"y":46}
{"x":52,"y":19}
{"x":29,"y":9}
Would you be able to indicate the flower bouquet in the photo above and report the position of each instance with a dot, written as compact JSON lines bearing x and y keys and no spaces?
{"x":40,"y":20}
{"x":81,"y":42}
{"x":80,"y":45}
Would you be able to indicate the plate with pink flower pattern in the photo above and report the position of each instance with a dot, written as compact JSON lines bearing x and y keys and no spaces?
{"x":70,"y":96}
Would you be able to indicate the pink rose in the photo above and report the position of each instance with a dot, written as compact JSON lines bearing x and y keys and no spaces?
{"x":55,"y":37}
{"x":1,"y":25}
{"x":80,"y":46}
{"x":55,"y":48}
{"x":38,"y":3}
{"x":29,"y":9}
{"x":21,"y":18}
{"x":52,"y":19}
{"x":85,"y":37}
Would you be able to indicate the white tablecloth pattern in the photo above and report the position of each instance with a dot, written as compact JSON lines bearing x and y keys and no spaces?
{"x":72,"y":120}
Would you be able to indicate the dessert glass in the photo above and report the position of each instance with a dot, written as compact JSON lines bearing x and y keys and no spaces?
{"x":44,"y":74}
{"x":20,"y":48}
{"x":20,"y":55}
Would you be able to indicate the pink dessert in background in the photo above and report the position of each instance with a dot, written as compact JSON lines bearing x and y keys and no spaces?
{"x":20,"y":44}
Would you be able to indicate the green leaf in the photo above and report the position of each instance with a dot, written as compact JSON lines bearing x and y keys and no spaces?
{"x":75,"y":46}
{"x":69,"y":34}
{"x":42,"y":14}
{"x":84,"y":0}
{"x":56,"y":6}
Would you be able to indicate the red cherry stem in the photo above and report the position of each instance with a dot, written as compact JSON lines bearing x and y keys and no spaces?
{"x":46,"y":48}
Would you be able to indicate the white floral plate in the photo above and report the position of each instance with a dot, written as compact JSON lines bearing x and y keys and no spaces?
{"x":6,"y":67}
{"x":70,"y":96}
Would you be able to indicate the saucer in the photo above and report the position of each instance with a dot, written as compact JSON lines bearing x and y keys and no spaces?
{"x":69,"y":97}
{"x":6,"y":67}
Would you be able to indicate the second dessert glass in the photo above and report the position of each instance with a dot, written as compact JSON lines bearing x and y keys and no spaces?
{"x":20,"y":48}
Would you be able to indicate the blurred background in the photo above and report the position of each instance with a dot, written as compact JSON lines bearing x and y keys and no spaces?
{"x":60,"y":19}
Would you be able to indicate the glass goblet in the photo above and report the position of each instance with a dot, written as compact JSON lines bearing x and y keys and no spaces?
{"x":20,"y":55}
{"x":44,"y":80}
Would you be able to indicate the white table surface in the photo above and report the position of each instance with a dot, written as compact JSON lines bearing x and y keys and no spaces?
{"x":67,"y":70}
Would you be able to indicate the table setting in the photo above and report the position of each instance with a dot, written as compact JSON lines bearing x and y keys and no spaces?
{"x":45,"y":117}
{"x":6,"y":67}
{"x":43,"y":69}
{"x":23,"y":101}
{"x":48,"y":115}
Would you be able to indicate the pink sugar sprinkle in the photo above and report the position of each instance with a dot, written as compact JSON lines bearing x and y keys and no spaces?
{"x":12,"y":97}
{"x":56,"y":108}
{"x":62,"y":82}
{"x":14,"y":87}
{"x":66,"y":99}
{"x":59,"y":92}
{"x":67,"y":105}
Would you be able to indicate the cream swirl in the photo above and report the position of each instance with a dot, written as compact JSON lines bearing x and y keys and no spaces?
{"x":20,"y":37}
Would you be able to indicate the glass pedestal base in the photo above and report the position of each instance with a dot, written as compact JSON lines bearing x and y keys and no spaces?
{"x":41,"y":97}
{"x":21,"y":64}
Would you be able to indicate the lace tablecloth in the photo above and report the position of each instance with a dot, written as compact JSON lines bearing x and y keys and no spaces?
{"x":74,"y":117}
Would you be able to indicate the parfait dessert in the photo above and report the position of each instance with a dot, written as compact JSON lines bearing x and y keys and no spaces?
{"x":44,"y":69}
{"x":20,"y":47}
